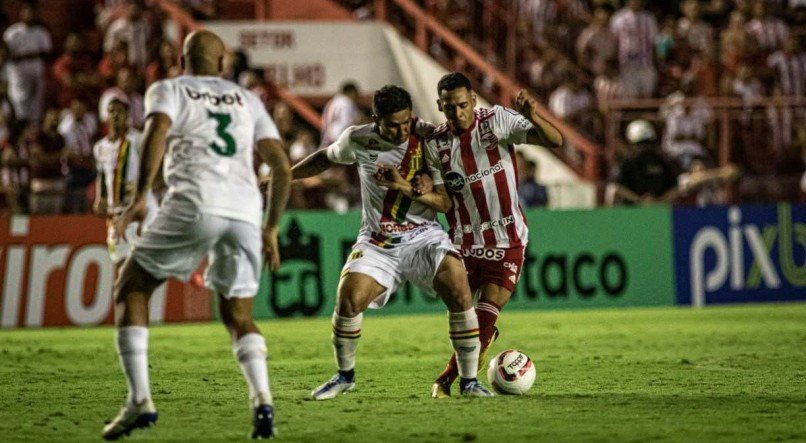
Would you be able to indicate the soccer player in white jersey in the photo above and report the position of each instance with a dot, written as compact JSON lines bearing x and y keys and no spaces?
{"x":476,"y":150}
{"x":211,"y":127}
{"x":399,"y":239}
{"x":117,"y":157}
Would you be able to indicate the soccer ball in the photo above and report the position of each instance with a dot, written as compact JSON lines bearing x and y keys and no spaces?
{"x":511,"y":372}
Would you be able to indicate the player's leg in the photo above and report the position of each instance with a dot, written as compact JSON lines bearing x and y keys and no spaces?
{"x":494,"y":280}
{"x":171,"y":247}
{"x":355,"y":293}
{"x":451,"y":284}
{"x":233,"y":273}
{"x":132,"y":291}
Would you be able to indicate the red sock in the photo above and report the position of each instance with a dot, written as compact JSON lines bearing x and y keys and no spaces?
{"x":487,"y":312}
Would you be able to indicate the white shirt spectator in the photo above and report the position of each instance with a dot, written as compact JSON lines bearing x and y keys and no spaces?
{"x":636,"y":32}
{"x":686,"y":129}
{"x":135,"y":101}
{"x":135,"y":33}
{"x":699,"y":35}
{"x":79,"y":134}
{"x":26,"y":78}
{"x":541,"y":14}
{"x":565,"y":102}
{"x":339,"y":114}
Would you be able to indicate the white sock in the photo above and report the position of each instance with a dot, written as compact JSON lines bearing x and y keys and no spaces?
{"x":133,"y":352}
{"x":346,"y":332}
{"x":250,"y":350}
{"x":464,"y":331}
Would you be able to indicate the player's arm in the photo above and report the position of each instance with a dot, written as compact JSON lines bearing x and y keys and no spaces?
{"x":437,"y":198}
{"x":314,"y":164}
{"x":342,"y":152}
{"x":542,"y":133}
{"x":155,"y":135}
{"x":272,"y":153}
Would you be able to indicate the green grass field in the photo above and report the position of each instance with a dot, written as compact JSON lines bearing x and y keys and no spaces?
{"x":718,"y":374}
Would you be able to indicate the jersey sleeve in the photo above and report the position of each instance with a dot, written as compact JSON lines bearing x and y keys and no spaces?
{"x":265,"y":128}
{"x":96,"y":153}
{"x":433,"y":164}
{"x":160,"y":98}
{"x":342,"y":151}
{"x":135,"y":154}
{"x":511,"y":126}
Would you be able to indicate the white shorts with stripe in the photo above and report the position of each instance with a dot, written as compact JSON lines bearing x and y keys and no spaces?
{"x":180,"y":237}
{"x":416,"y":260}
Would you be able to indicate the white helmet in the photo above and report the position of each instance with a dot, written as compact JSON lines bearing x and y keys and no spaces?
{"x":640,"y":131}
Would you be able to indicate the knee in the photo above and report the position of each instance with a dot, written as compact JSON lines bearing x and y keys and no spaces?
{"x":348,"y":306}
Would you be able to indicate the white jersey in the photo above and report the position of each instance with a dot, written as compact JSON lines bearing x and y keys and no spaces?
{"x":215,"y":125}
{"x":388,"y":218}
{"x":118,"y":163}
{"x":480,"y":171}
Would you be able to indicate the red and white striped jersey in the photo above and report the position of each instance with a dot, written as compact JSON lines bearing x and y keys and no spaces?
{"x":480,"y":173}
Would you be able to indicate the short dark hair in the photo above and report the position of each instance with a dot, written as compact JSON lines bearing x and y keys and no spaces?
{"x":349,"y":88}
{"x":454,"y":80}
{"x":390,"y":99}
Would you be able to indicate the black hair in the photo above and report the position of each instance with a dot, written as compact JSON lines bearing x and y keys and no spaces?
{"x":454,"y":80}
{"x":349,"y":88}
{"x":390,"y":99}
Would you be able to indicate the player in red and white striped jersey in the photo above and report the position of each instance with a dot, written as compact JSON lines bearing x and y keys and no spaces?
{"x":476,"y":149}
{"x":400,"y":239}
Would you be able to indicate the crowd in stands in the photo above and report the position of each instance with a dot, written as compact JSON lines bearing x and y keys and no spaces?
{"x":580,"y":56}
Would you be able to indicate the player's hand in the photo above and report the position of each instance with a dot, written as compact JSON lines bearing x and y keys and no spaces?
{"x":388,"y":176}
{"x":422,"y":184}
{"x":271,"y":250}
{"x":525,"y":103}
{"x":135,"y":212}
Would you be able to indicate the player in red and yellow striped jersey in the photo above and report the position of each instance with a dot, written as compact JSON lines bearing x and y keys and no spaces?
{"x":400,"y":239}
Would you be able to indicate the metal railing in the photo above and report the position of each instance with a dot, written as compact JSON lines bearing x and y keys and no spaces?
{"x":425,"y":27}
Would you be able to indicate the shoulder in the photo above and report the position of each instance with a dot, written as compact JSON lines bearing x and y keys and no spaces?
{"x":423,"y":128}
{"x":13,"y":30}
{"x":439,"y":131}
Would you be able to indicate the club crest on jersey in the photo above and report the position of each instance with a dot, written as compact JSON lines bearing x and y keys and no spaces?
{"x":488,"y":138}
{"x":372,"y":144}
{"x":373,"y":156}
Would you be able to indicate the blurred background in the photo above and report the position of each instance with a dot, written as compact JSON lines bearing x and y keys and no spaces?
{"x":720,"y":81}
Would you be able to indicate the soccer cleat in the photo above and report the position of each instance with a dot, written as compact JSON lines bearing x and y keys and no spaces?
{"x":335,"y":386}
{"x":474,"y":389}
{"x":440,"y":389}
{"x":263,"y":422}
{"x":483,"y":355}
{"x":130,"y":418}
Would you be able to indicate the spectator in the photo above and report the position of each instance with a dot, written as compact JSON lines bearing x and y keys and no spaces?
{"x":29,"y":45}
{"x":789,"y":68}
{"x":597,"y":45}
{"x":736,"y":44}
{"x":113,"y":61}
{"x":647,"y":175}
{"x":340,"y":113}
{"x":75,"y":72}
{"x":692,"y":29}
{"x":133,"y":29}
{"x":47,"y":179}
{"x":608,"y":87}
{"x":687,"y":127}
{"x":251,"y":81}
{"x":636,"y":30}
{"x":530,"y":193}
{"x":166,"y":66}
{"x":541,"y":16}
{"x":78,"y":127}
{"x":572,"y":102}
{"x":126,"y":87}
{"x":770,"y":32}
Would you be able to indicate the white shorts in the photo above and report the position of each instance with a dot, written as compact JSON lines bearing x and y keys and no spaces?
{"x":179,"y":238}
{"x":416,"y":261}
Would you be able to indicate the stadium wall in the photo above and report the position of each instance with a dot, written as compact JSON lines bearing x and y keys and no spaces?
{"x":55,"y":271}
